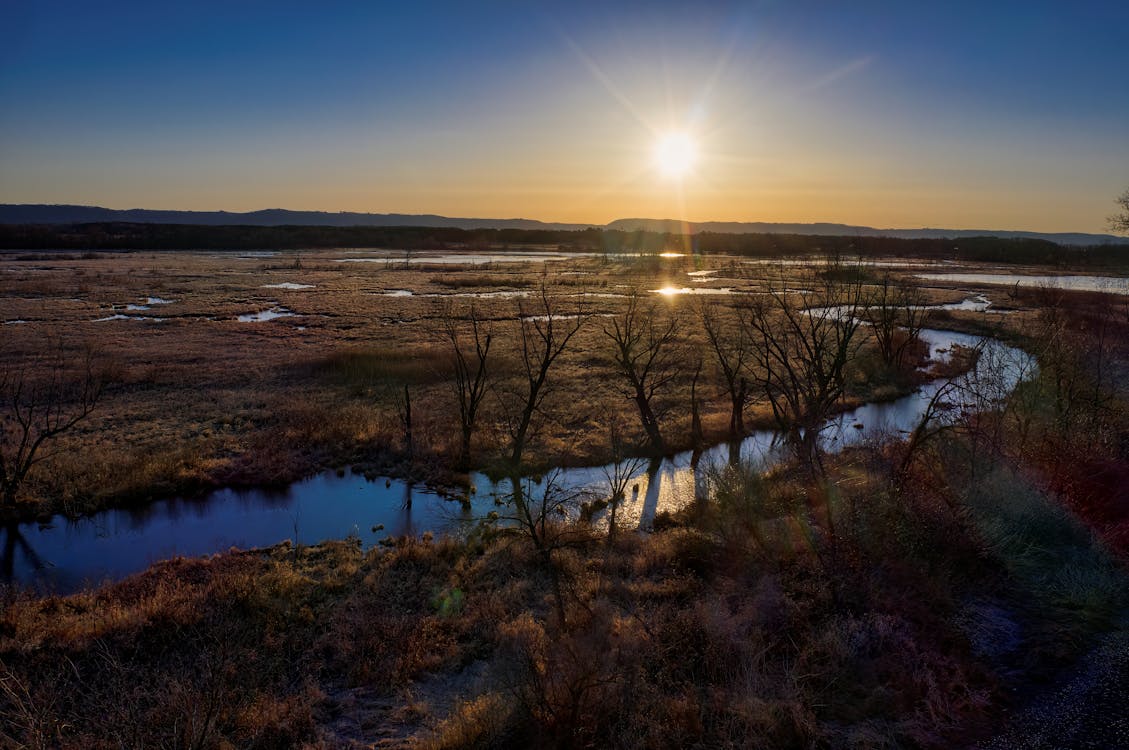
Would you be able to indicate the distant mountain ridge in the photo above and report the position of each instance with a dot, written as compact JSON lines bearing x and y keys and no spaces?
{"x":847,"y":230}
{"x":67,"y":214}
{"x":271,"y":217}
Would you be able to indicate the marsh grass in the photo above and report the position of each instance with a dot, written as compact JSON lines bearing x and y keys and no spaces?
{"x":1058,"y":561}
{"x":480,"y":281}
{"x":693,"y":635}
{"x":361,"y":368}
{"x":853,"y":609}
{"x":187,"y":381}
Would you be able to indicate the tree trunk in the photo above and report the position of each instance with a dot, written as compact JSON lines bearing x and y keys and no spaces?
{"x":696,"y":434}
{"x":650,"y":423}
{"x":519,"y":437}
{"x":737,"y":416}
{"x":407,"y":418}
{"x":464,"y":454}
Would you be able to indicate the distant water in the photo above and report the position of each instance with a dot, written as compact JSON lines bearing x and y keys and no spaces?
{"x":1112,"y":284}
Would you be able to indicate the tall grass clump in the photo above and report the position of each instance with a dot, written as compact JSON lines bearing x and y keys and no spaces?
{"x":1056,"y":560}
{"x":363,"y":368}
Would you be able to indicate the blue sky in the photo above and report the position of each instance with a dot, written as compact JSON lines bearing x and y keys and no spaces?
{"x":981,"y":115}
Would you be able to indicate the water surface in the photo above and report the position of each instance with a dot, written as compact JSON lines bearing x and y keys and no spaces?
{"x":263,"y":315}
{"x":1113,"y":284}
{"x":66,"y":555}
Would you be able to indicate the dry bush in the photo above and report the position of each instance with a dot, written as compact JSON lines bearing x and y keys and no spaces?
{"x":84,"y":481}
{"x":478,"y":724}
{"x":387,"y":630}
{"x":569,"y":686}
{"x":187,"y":655}
{"x":372,"y":367}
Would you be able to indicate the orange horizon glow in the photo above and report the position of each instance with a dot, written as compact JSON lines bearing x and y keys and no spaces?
{"x":589,"y":127}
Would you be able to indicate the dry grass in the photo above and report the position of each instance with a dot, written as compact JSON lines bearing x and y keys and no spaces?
{"x":203,"y":400}
{"x":695,"y":635}
{"x":844,"y":611}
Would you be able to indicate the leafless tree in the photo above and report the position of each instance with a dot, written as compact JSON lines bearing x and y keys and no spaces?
{"x":1119,"y":222}
{"x":543,"y":335}
{"x":39,"y":402}
{"x":730,"y":348}
{"x":619,"y":474}
{"x":644,"y":355}
{"x":936,"y":419}
{"x":802,"y":343}
{"x":406,"y":424}
{"x":472,"y":372}
{"x":1074,"y":400}
{"x":540,"y":507}
{"x":543,"y":514}
{"x":896,"y":312}
{"x":697,"y":435}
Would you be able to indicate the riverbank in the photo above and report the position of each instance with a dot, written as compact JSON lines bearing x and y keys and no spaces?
{"x":63,"y":556}
{"x":746,"y":620}
{"x":909,"y":593}
{"x":321,"y":386}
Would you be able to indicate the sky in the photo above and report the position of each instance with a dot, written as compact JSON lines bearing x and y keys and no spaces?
{"x":986,"y":115}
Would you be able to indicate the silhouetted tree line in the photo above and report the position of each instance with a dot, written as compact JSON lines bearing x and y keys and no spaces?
{"x":127,"y":236}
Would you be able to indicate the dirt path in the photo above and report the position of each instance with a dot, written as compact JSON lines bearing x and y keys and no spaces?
{"x":1090,"y":709}
{"x":367,"y":718}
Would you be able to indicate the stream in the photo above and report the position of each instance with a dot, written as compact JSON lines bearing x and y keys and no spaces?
{"x":66,"y":555}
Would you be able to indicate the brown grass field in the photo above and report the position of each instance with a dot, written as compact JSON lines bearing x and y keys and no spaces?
{"x":201,"y":399}
{"x":908,"y":594}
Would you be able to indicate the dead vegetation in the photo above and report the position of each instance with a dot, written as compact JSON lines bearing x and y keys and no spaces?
{"x":901,"y":596}
{"x":207,"y":400}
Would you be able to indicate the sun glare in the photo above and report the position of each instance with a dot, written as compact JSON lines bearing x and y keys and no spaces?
{"x":675,"y":154}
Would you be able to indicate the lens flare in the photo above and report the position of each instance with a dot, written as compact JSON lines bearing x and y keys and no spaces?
{"x":675,"y":154}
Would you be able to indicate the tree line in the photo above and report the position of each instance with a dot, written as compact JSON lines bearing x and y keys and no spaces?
{"x":129,"y":236}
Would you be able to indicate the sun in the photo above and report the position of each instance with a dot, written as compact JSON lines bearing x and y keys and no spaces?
{"x":675,"y":154}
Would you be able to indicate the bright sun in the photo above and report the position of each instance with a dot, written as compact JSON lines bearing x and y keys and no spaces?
{"x":675,"y":154}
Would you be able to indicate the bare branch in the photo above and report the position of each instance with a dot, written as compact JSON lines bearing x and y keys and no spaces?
{"x":543,"y":336}
{"x":1119,"y":222}
{"x":801,"y":344}
{"x":39,"y":402}
{"x":472,"y":373}
{"x":644,"y":357}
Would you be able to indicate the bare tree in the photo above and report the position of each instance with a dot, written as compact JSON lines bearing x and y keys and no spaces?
{"x":802,"y":343}
{"x":896,"y":312}
{"x":644,"y":355}
{"x":936,"y":419}
{"x":1119,"y":222}
{"x":1074,"y":400}
{"x":541,"y":508}
{"x":471,"y":372}
{"x":38,"y":403}
{"x":622,"y":470}
{"x":406,"y":424}
{"x":543,"y":336}
{"x":730,"y":348}
{"x":697,"y":435}
{"x":543,"y":516}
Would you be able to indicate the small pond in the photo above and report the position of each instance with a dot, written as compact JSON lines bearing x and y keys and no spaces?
{"x":264,"y":315}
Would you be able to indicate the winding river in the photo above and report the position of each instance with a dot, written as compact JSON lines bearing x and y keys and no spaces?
{"x":66,"y":555}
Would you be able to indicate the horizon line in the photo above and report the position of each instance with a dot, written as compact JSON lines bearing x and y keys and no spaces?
{"x":578,"y":224}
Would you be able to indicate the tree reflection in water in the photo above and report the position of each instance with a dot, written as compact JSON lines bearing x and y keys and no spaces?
{"x":14,"y":540}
